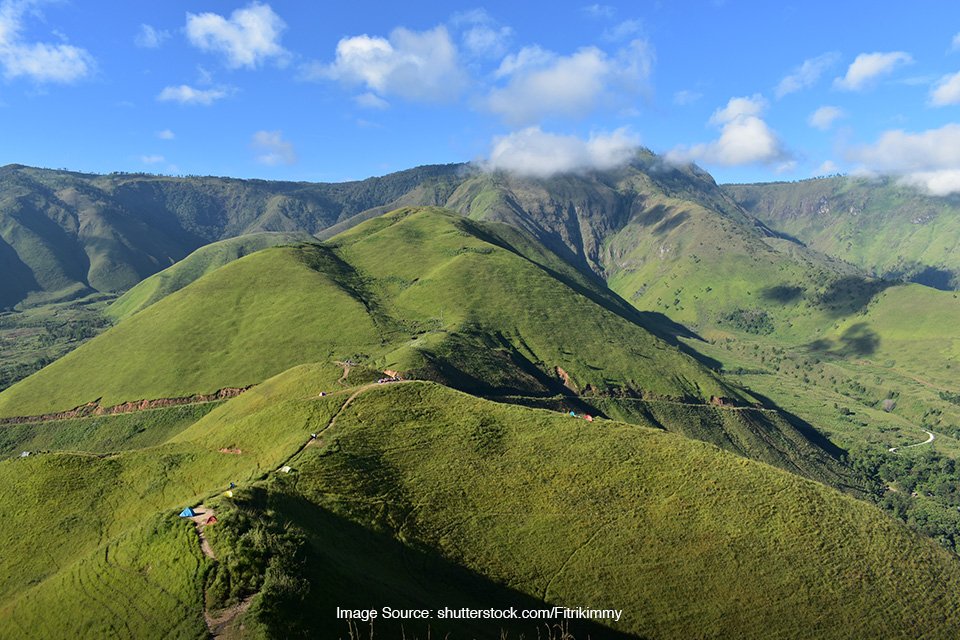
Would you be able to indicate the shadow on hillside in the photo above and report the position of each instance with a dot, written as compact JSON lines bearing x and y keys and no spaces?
{"x":671,"y":223}
{"x":805,"y":428}
{"x":669,"y":331}
{"x":859,"y":340}
{"x":355,"y":567}
{"x":783,"y":294}
{"x":849,"y":295}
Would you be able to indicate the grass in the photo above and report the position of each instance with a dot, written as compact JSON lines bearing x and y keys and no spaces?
{"x":102,"y":434}
{"x":145,"y":583}
{"x":421,"y":493}
{"x":204,"y":260}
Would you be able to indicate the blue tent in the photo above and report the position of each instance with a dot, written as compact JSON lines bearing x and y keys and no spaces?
{"x":188,"y":513}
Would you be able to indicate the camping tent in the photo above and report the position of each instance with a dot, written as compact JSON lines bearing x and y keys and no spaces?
{"x":188,"y":513}
{"x":211,"y":520}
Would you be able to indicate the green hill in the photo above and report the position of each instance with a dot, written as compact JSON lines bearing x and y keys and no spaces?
{"x":418,"y":496}
{"x":199,"y":263}
{"x":383,"y":294}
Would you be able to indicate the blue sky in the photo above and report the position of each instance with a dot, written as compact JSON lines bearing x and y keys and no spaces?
{"x":750,"y":91}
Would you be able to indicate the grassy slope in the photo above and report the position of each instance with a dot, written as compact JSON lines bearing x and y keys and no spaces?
{"x":886,"y":228}
{"x":376,"y":292}
{"x":687,"y":539}
{"x":204,"y":260}
{"x":423,"y":496}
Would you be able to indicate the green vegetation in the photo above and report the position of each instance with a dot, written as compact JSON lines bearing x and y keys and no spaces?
{"x":412,"y":486}
{"x":378,"y":294}
{"x":204,"y":260}
{"x":33,"y":338}
{"x":888,"y":229}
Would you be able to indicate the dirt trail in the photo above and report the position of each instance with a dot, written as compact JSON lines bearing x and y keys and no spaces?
{"x":215,"y":624}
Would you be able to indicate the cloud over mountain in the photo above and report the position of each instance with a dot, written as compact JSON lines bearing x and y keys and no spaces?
{"x":541,"y":84}
{"x":744,"y":138}
{"x":533,"y":152}
{"x":929,"y":159}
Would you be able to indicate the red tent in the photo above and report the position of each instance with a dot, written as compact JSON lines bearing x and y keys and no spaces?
{"x":211,"y":520}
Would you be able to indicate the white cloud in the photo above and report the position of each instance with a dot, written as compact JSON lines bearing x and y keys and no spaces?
{"x":956,"y":42}
{"x":542,"y":84}
{"x":946,"y":91}
{"x":868,"y":67}
{"x":371,"y":101}
{"x":739,"y":107}
{"x":151,"y":159}
{"x":247,"y":39}
{"x":41,"y":62}
{"x":744,"y":139}
{"x":413,"y":65}
{"x":686,"y":97}
{"x":806,"y":74}
{"x":930,"y":159}
{"x":482,"y":36}
{"x":823,"y":117}
{"x":187,"y":95}
{"x":150,"y":38}
{"x":273,"y":149}
{"x":937,"y":183}
{"x":827,"y":168}
{"x":166,"y":134}
{"x":533,"y":152}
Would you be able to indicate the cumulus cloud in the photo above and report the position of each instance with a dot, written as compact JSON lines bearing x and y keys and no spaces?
{"x":273,"y":149}
{"x":247,"y":39}
{"x":823,"y":117}
{"x":166,"y":134}
{"x":541,"y":84}
{"x":149,"y":38}
{"x":868,"y":67}
{"x":533,"y":152}
{"x":187,"y":95}
{"x":38,"y":61}
{"x":419,"y":66}
{"x":806,"y":74}
{"x":946,"y":91}
{"x":739,"y":107}
{"x":744,"y":139}
{"x":930,"y":159}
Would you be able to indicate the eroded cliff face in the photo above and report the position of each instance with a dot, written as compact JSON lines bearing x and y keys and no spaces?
{"x":96,"y":409}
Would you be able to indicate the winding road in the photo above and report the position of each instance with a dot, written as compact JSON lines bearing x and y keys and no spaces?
{"x":927,"y":441}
